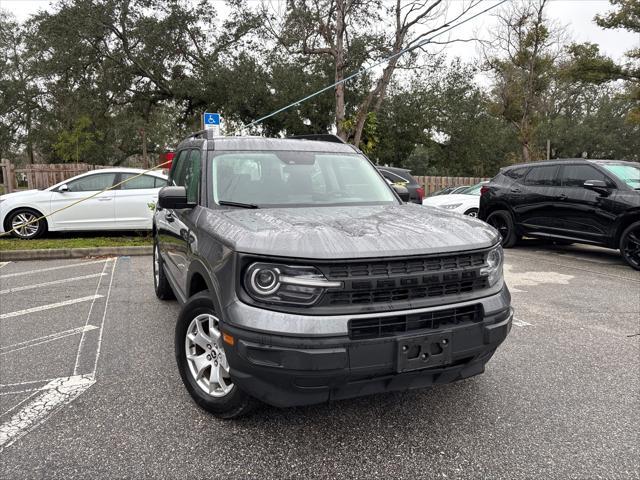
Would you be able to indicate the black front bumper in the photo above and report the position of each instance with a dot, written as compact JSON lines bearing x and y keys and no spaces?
{"x":289,"y":371}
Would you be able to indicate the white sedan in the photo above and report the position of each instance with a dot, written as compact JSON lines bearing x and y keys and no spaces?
{"x":466,"y":203}
{"x":126,"y":207}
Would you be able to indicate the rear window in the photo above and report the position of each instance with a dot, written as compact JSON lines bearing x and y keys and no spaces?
{"x":543,"y":176}
{"x":516,"y":173}
{"x":399,"y":176}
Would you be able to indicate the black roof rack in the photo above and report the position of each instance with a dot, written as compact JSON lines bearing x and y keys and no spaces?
{"x":320,"y":137}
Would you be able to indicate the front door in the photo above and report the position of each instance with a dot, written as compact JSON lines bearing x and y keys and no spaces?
{"x":175,"y":225}
{"x":584,"y":214}
{"x":95,"y":213}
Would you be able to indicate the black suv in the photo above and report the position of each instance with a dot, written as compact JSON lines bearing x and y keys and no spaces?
{"x":403,"y":177}
{"x":305,"y":279}
{"x":584,"y":201}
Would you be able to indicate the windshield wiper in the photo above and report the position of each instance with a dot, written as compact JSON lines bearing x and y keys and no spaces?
{"x":237,"y":204}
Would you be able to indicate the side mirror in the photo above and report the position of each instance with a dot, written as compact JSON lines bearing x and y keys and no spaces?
{"x":402,"y":191}
{"x":63,"y":188}
{"x":173,"y":198}
{"x":599,"y":186}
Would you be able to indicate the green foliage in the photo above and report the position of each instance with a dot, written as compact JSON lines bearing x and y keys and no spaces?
{"x":74,"y":145}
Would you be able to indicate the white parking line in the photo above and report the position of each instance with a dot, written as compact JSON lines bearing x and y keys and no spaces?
{"x":48,"y":338}
{"x":81,"y":344}
{"x":54,"y":395}
{"x":46,"y":284}
{"x":49,"y":306}
{"x":104,"y":315}
{"x":30,"y":272}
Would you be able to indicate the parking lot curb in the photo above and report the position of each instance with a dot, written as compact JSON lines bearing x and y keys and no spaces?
{"x":47,"y":254}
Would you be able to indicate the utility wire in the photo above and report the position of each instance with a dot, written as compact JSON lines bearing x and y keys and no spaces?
{"x":366,"y":69}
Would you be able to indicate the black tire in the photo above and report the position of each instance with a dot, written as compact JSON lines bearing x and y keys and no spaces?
{"x":160,"y":282}
{"x":630,"y":245}
{"x":502,"y":221}
{"x":472,"y":212}
{"x":31,"y":231}
{"x":234,"y":404}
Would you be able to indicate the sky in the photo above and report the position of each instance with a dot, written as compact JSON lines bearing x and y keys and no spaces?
{"x":577,"y":15}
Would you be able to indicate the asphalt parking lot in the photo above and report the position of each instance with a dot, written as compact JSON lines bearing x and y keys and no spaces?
{"x":89,"y":387}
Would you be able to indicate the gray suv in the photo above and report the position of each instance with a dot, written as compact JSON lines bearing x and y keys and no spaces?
{"x":304,"y":278}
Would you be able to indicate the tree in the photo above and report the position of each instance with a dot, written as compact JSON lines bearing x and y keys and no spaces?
{"x":525,"y":47}
{"x":20,"y":96}
{"x":342,"y":31}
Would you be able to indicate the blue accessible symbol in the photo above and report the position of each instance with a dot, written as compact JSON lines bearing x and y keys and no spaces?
{"x":212,"y":119}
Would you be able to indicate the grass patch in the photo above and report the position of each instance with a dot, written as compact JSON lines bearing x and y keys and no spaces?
{"x":66,"y":242}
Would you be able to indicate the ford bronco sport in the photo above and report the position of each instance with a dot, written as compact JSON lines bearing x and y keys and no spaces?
{"x":305,"y":279}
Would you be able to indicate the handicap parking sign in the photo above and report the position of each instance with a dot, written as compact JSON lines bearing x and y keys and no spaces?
{"x":212,"y":119}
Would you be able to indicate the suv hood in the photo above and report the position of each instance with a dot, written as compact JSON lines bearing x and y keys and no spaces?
{"x":347,"y":232}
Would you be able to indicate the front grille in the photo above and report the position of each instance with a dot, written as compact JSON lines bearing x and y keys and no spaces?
{"x":408,"y":266}
{"x":404,"y":280}
{"x":380,"y":327}
{"x":404,"y":294}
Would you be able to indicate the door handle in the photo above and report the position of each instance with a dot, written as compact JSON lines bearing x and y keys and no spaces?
{"x":169,"y":217}
{"x":515,"y":190}
{"x":104,"y":199}
{"x":562,"y":196}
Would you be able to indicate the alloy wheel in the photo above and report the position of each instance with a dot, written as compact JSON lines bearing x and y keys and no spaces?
{"x":631,"y":247}
{"x":205,"y":356}
{"x":25,"y":224}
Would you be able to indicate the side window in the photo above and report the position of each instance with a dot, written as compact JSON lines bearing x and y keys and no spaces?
{"x":178,"y":169}
{"x":138,"y":183}
{"x":92,"y":183}
{"x":159,"y":182}
{"x":192,"y":176}
{"x":543,"y":176}
{"x":576,"y":175}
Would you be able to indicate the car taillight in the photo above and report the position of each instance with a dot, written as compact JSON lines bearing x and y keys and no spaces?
{"x":420,"y":192}
{"x":484,"y":189}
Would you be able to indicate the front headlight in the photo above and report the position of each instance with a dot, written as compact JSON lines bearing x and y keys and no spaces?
{"x":451,"y":206}
{"x":493,"y":266}
{"x":278,"y":283}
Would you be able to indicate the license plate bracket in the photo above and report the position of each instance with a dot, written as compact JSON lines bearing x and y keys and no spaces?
{"x":423,"y":351}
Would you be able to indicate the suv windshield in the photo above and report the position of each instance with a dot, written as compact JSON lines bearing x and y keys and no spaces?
{"x":288,"y":178}
{"x":630,"y":174}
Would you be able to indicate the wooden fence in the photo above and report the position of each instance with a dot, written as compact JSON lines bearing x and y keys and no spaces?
{"x":433,"y":184}
{"x":40,"y":175}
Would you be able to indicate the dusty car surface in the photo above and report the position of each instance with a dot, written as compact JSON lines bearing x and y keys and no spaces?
{"x":305,"y":279}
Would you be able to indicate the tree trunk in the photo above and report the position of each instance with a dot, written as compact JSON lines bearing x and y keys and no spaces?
{"x":29,"y":141}
{"x":339,"y":70}
{"x":145,"y":157}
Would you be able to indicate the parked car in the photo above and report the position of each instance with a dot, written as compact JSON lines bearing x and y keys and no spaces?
{"x":303,"y":278}
{"x":449,"y":191}
{"x":127,"y":207}
{"x":584,"y":201}
{"x":466,"y":203}
{"x":403,"y":176}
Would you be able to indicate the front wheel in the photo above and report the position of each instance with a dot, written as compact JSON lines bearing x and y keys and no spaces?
{"x":26,"y":224}
{"x":472,"y":212}
{"x":630,"y":245}
{"x":502,"y":221}
{"x":202,"y":361}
